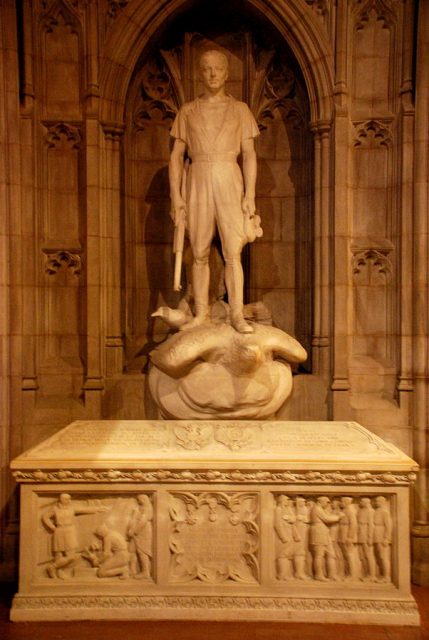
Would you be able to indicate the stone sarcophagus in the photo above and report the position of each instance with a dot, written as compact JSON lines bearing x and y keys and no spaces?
{"x":303,"y":521}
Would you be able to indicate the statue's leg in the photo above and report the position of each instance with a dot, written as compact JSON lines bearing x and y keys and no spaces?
{"x":116,"y":565}
{"x":201,"y":226}
{"x":200,"y":285}
{"x":318,"y":562}
{"x":230,"y":221}
{"x":234,"y":281}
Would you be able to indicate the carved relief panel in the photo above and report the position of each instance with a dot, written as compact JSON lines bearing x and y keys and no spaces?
{"x":333,"y":538}
{"x":212,"y":537}
{"x":201,"y":523}
{"x":83,"y":538}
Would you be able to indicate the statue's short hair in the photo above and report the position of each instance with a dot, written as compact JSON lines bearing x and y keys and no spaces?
{"x":218,"y":52}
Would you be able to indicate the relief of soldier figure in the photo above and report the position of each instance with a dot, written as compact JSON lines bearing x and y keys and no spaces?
{"x":344,"y":537}
{"x":116,"y":545}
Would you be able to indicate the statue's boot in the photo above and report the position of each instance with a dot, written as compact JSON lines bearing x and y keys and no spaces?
{"x":200,"y":285}
{"x":201,"y":317}
{"x":300,"y":568}
{"x":240,"y":324}
{"x":234,"y":281}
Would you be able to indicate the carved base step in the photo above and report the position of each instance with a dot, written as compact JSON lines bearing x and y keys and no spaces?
{"x":198,"y":607}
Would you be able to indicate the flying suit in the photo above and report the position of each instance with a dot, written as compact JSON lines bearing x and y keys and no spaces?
{"x":214,"y":133}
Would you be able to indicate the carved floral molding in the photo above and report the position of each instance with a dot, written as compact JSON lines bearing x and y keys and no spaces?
{"x":216,"y":602}
{"x":372,"y":260}
{"x":114,"y":7}
{"x":372,"y":132}
{"x":320,"y":7}
{"x":56,"y":259}
{"x":63,"y":12}
{"x":60,"y":132}
{"x":362,"y":478}
{"x":383,"y":10}
{"x":158,"y":104}
{"x":278,"y":92}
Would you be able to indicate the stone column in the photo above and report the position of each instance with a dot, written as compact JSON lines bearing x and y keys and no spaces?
{"x":341,"y":286}
{"x":10,"y":274}
{"x":322,"y":238}
{"x":111,"y":251}
{"x":404,"y":242}
{"x":420,"y":300}
{"x":94,"y":382}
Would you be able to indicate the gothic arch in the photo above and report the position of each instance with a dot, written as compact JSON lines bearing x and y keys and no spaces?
{"x":138,"y":22}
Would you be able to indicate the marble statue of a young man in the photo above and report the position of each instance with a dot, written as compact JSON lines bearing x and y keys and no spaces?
{"x":214,"y":129}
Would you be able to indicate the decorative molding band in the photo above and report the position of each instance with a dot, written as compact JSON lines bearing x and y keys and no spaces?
{"x":377,"y":259}
{"x":114,"y":341}
{"x":320,"y":7}
{"x":159,"y":100}
{"x":279,"y":92}
{"x":65,"y":12}
{"x":214,"y":476}
{"x":62,"y":130}
{"x":29,"y":383}
{"x":79,"y":5}
{"x":55,"y":259}
{"x":339,"y":605}
{"x":321,"y":128}
{"x":113,"y":130}
{"x":93,"y":384}
{"x":384,"y":10}
{"x":376,"y":130}
{"x":372,"y":254}
{"x":114,"y":7}
{"x":154,"y":112}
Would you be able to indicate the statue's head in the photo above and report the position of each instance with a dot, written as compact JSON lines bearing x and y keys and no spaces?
{"x":282,"y":500}
{"x":145,"y":504}
{"x":213,"y":69}
{"x":365,"y":502}
{"x":101,"y":531}
{"x":380,"y":501}
{"x":323,"y":501}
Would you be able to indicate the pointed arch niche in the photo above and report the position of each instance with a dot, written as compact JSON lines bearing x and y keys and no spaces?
{"x":265,"y":74}
{"x":280,"y":66}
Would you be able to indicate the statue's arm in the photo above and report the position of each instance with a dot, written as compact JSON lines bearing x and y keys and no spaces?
{"x":48,"y":520}
{"x":175,"y":174}
{"x":249,"y":173}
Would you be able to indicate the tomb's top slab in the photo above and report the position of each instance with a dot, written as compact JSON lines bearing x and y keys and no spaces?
{"x":189,"y":444}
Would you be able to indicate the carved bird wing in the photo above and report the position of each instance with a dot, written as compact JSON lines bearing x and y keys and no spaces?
{"x":279,"y":343}
{"x":181,"y":351}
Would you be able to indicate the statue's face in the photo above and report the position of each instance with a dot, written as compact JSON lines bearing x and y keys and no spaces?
{"x":213,"y":70}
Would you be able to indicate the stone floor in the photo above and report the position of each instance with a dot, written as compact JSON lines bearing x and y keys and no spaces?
{"x":152,"y":630}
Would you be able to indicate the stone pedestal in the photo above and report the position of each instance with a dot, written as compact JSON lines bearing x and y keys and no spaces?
{"x":304,"y":521}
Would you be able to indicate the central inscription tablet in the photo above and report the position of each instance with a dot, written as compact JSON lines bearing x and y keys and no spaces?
{"x":215,"y":537}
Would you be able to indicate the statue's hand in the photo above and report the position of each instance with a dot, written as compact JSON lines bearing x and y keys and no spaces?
{"x":178,"y":210}
{"x":248,"y":206}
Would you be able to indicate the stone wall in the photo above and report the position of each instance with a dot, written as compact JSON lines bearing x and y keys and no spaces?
{"x":89,"y":90}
